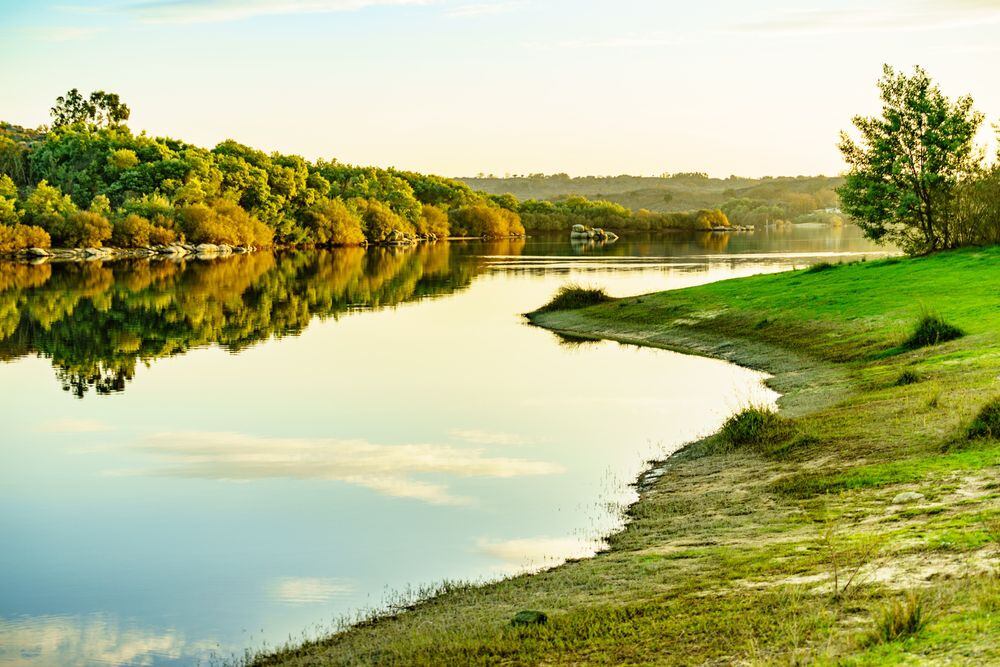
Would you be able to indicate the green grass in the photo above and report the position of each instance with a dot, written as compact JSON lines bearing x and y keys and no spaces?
{"x":733,"y":555}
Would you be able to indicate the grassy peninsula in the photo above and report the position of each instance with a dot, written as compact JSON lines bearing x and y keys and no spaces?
{"x":859,"y":525}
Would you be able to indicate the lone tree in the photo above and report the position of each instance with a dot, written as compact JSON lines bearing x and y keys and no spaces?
{"x":904,"y":172}
{"x":101,"y":108}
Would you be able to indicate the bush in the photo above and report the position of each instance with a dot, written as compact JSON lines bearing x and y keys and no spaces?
{"x":907,"y":377}
{"x":486,"y":222}
{"x":433,"y":222}
{"x":379,"y":222}
{"x":132,"y":231}
{"x":754,"y":426}
{"x":571,"y":297}
{"x":223,"y":222}
{"x":331,"y":222}
{"x":19,"y":237}
{"x":987,"y":422}
{"x":822,"y":266}
{"x":902,"y":619}
{"x":932,"y":330}
{"x":82,"y":229}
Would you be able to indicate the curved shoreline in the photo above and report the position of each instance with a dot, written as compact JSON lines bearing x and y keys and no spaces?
{"x":733,"y":554}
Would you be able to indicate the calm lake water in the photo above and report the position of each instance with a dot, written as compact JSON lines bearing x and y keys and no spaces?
{"x":198,"y":458}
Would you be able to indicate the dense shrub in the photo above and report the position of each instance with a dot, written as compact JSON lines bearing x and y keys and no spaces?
{"x":570,"y":297}
{"x":380,"y":223}
{"x":19,"y":237}
{"x":485,"y":222}
{"x":987,"y":422}
{"x":223,"y":222}
{"x":331,"y":222}
{"x":932,"y":330}
{"x":754,"y":427}
{"x":82,"y":229}
{"x":433,"y":222}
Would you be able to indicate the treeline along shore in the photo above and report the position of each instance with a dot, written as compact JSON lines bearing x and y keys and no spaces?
{"x":91,"y":188}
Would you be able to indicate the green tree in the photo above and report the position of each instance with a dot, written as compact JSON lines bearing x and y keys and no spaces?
{"x":904,"y":171}
{"x":101,"y":108}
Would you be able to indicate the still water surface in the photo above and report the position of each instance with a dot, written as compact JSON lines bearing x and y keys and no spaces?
{"x":199,"y":458}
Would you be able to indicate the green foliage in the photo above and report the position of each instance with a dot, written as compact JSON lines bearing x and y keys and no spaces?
{"x":571,"y":297}
{"x":987,"y":422}
{"x":931,"y":330}
{"x":381,"y":224}
{"x":485,"y":221}
{"x":331,"y":223}
{"x":904,"y":173}
{"x":433,"y":222}
{"x":907,"y":377}
{"x":176,"y":188}
{"x":100,"y":108}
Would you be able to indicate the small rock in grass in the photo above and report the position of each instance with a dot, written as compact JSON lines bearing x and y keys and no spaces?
{"x":529,"y":618}
{"x":907,"y":497}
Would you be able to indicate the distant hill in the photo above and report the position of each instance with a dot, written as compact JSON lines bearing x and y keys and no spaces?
{"x":676,"y":192}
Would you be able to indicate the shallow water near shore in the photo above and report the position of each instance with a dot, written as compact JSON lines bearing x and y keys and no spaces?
{"x":199,"y":457}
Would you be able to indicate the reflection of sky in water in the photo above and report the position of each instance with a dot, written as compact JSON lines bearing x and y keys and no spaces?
{"x":229,"y":499}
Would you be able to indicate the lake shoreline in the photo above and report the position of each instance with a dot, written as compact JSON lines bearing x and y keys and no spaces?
{"x":870,"y":492}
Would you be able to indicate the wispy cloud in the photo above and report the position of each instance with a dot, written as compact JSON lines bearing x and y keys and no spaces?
{"x":204,"y":11}
{"x":479,"y":437}
{"x":625,"y":41}
{"x":63,"y":33}
{"x":392,"y":470}
{"x":484,"y":9}
{"x":74,"y":426}
{"x":902,"y":17}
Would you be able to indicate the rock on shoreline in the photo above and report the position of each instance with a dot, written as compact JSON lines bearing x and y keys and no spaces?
{"x":173,"y":251}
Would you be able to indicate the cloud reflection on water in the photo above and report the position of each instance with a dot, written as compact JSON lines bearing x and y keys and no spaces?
{"x":90,"y":640}
{"x":386,"y":469}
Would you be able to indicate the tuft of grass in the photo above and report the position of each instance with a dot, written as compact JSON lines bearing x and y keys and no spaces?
{"x":932,"y":330}
{"x":907,"y":377}
{"x":822,"y":266}
{"x":900,"y":620}
{"x":987,"y":422}
{"x":756,"y":427}
{"x":571,"y":297}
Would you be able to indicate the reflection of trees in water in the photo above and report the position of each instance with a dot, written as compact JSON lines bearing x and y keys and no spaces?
{"x":96,"y":322}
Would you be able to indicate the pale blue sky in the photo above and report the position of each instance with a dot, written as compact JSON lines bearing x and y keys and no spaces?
{"x":465,"y":86}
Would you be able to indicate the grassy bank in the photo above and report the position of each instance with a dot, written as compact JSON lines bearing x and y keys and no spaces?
{"x":860,"y":525}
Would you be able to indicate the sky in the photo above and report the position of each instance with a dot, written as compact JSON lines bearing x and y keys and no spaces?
{"x":462,"y":87}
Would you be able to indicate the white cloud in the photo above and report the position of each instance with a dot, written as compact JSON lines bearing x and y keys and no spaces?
{"x":391,"y":470}
{"x":309,"y":590}
{"x":902,"y":17}
{"x":204,"y":11}
{"x":74,"y":426}
{"x":63,"y":33}
{"x":479,"y":437}
{"x":483,"y":9}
